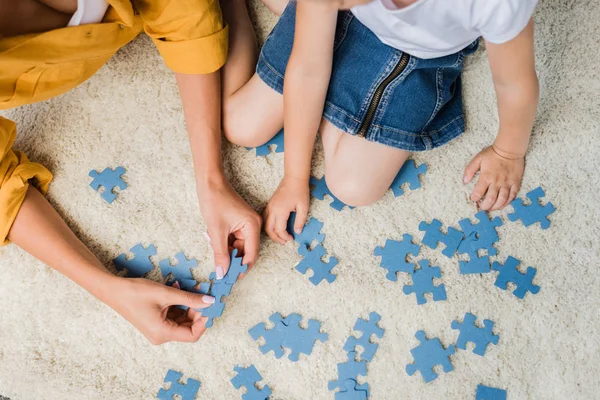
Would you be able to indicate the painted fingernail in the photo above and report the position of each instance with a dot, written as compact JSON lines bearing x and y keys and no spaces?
{"x":465,"y":179}
{"x":220,"y":272}
{"x":208,"y":299}
{"x":206,"y":236}
{"x":176,"y":285}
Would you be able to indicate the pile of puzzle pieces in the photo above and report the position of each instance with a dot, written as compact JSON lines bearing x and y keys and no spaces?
{"x":248,"y":378}
{"x":288,"y":334}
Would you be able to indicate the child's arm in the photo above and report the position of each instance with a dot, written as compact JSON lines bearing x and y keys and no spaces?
{"x":306,"y":81}
{"x":501,"y":165}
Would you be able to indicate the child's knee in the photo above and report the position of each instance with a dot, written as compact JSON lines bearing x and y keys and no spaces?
{"x":238,"y":131}
{"x":352,"y":191}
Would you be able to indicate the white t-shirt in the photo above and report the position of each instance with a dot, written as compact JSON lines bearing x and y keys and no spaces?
{"x":89,"y":12}
{"x":436,"y":28}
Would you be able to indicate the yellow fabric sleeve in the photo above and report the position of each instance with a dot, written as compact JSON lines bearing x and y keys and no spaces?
{"x":189,"y":34}
{"x":16,"y":172}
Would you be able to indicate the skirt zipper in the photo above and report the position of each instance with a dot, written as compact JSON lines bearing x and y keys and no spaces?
{"x":368,"y":119}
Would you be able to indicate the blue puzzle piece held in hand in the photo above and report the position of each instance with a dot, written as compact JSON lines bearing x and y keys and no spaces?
{"x":534,"y":212}
{"x":353,"y":391}
{"x":475,"y":265}
{"x":348,"y":370}
{"x":265,"y":149}
{"x":181,"y":270}
{"x":312,"y":259}
{"x":109,"y":179}
{"x":489,"y":393}
{"x":393,"y":256}
{"x":310,"y":232}
{"x":368,"y":328}
{"x":429,"y":354}
{"x":423,"y":283}
{"x":479,"y":236}
{"x":187,"y":391}
{"x":140,"y":264}
{"x":434,"y":235}
{"x":248,"y":377}
{"x":409,"y":173}
{"x":320,"y":190}
{"x":469,"y":332}
{"x":509,"y":272}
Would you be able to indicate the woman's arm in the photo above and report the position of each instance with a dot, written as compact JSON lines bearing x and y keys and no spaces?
{"x":502,"y":165}
{"x":306,"y":81}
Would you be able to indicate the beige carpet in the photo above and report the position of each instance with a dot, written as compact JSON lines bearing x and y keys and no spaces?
{"x":58,"y":342}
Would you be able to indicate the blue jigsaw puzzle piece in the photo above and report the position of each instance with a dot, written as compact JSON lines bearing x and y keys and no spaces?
{"x":187,"y":391}
{"x":181,"y":270}
{"x":320,"y":190}
{"x":434,"y":235}
{"x":480,"y":236}
{"x":409,"y":173}
{"x":299,"y":340}
{"x":469,"y":332}
{"x":535,"y":212}
{"x":248,"y":377}
{"x":273,"y":337}
{"x":368,"y":329}
{"x":353,"y":391}
{"x":312,"y":259}
{"x":265,"y":149}
{"x":429,"y":354}
{"x":489,"y":393}
{"x":475,"y":265}
{"x":393,"y":256}
{"x":509,"y":272}
{"x":348,"y":370}
{"x":310,"y":232}
{"x":422,"y":280}
{"x":140,"y":264}
{"x":109,"y":179}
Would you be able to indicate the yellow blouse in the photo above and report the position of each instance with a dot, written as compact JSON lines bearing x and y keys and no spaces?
{"x":189,"y":34}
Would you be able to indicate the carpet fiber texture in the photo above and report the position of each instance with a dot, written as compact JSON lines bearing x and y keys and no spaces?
{"x":58,"y":342}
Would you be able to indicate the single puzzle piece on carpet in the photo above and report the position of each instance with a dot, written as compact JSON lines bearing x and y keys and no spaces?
{"x":348,"y":370}
{"x":393,"y":256}
{"x":299,"y":340}
{"x":140,"y":264}
{"x":320,"y":190}
{"x":422,"y":282}
{"x":535,"y":212}
{"x":489,"y":393}
{"x":429,"y":354}
{"x":312,"y":259}
{"x":409,"y":173}
{"x":509,"y":272}
{"x":469,"y":332}
{"x":310,"y":232}
{"x":187,"y":391}
{"x":248,"y":377}
{"x":353,"y":391}
{"x":434,"y":235}
{"x":181,"y":270}
{"x":368,"y":329}
{"x":273,"y":337}
{"x":109,"y":179}
{"x":480,"y":236}
{"x":475,"y":265}
{"x":265,"y":149}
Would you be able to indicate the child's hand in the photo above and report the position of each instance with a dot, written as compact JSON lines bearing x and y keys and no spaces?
{"x":291,"y":195}
{"x":499,"y":178}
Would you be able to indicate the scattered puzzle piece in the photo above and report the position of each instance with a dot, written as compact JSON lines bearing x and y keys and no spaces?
{"x":320,"y":190}
{"x":187,"y":391}
{"x":273,"y":337}
{"x":109,"y":179}
{"x":409,"y":173}
{"x":469,"y":332}
{"x":353,"y":391}
{"x":181,"y":270}
{"x":434,"y":235}
{"x":265,"y":149}
{"x":248,"y":377}
{"x":312,"y":259}
{"x":423,"y":283}
{"x":393,"y":256}
{"x":481,"y":235}
{"x":475,"y":265}
{"x":310,"y":232}
{"x":429,"y":354}
{"x":348,"y":370}
{"x":534,"y":212}
{"x":140,"y":264}
{"x":368,"y":329}
{"x":489,"y":393}
{"x":510,"y":273}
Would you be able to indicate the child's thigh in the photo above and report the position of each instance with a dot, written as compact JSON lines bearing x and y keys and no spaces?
{"x":358,"y":171}
{"x":253,"y":114}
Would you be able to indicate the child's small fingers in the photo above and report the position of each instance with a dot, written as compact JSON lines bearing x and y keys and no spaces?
{"x":280,"y":229}
{"x":472,"y":169}
{"x":503,"y":194}
{"x":301,"y":216}
{"x":514,"y":189}
{"x":479,"y":190}
{"x":491,"y":195}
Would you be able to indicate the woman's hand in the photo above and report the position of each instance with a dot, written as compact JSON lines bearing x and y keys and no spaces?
{"x":149,"y":307}
{"x":500,"y":176}
{"x":291,"y":195}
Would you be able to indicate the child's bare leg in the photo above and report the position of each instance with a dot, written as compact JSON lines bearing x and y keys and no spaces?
{"x":276,"y":6}
{"x":358,"y":172}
